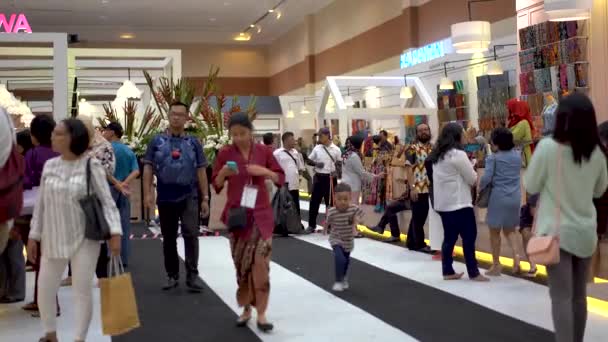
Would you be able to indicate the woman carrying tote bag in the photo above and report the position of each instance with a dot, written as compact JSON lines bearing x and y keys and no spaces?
{"x":568,"y":171}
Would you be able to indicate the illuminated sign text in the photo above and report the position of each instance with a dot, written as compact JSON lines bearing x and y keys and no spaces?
{"x":15,"y":23}
{"x":422,"y":55}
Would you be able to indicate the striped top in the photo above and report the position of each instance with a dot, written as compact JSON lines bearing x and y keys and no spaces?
{"x":341,"y":226}
{"x":58,"y":220}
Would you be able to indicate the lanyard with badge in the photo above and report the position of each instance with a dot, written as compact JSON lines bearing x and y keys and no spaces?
{"x":250,"y":192}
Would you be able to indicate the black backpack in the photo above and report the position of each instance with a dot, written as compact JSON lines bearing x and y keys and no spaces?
{"x":286,"y":217}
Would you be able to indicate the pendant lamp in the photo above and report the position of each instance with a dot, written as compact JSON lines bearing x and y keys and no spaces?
{"x":406,"y":93}
{"x":568,"y":10}
{"x":446,"y":83}
{"x":348,"y":100}
{"x":471,"y":36}
{"x":129,"y":90}
{"x":304,"y":110}
{"x":290,"y":114}
{"x":495,"y":68}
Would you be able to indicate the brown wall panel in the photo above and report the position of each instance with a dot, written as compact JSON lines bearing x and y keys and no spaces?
{"x":436,"y":17}
{"x":372,"y":46}
{"x":258,"y":86}
{"x":293,"y":77}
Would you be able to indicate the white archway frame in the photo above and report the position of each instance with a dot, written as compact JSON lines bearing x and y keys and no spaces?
{"x":345,"y":114}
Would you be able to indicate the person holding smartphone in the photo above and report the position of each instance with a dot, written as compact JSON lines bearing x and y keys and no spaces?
{"x":251,"y":243}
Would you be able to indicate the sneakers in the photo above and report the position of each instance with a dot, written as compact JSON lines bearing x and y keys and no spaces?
{"x":345,"y":284}
{"x":309,"y":230}
{"x":194,"y":283}
{"x":170,"y":284}
{"x":338,"y":287}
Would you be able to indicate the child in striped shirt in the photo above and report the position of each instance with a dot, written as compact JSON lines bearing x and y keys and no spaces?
{"x":341,"y":225}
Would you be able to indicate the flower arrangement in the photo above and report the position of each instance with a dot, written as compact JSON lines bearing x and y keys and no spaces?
{"x":137,"y":133}
{"x":209,"y":111}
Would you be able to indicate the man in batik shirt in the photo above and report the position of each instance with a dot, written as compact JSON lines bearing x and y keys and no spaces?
{"x":419,"y":183}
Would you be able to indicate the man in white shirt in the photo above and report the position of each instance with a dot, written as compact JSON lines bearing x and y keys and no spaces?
{"x":325,"y":155}
{"x":7,"y":139}
{"x":291,"y":162}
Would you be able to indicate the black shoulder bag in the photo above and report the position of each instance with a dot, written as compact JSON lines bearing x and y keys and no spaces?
{"x":338,"y":165}
{"x":96,"y":226}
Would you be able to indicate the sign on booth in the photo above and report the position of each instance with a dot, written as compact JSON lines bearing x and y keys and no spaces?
{"x":14,"y":23}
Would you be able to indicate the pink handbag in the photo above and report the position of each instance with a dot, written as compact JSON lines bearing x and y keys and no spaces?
{"x":544,"y":250}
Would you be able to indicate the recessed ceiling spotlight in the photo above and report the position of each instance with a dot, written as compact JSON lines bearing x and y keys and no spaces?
{"x":127,"y":36}
{"x":279,"y":14}
{"x":105,"y":2}
{"x":252,"y":25}
{"x":212,"y":19}
{"x":271,"y":10}
{"x":103,"y":17}
{"x":226,"y":3}
{"x":259,"y":29}
{"x":242,"y":37}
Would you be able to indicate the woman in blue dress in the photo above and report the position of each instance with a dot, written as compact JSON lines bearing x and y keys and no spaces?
{"x":503,"y":173}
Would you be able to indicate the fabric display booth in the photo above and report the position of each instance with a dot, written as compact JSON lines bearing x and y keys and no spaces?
{"x":452,"y":105}
{"x":554,"y":63}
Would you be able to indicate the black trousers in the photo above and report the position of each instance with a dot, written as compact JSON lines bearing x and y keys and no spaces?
{"x":321,"y":190}
{"x":295,"y":195}
{"x":390,"y":217}
{"x":415,"y":233}
{"x":171,"y":214}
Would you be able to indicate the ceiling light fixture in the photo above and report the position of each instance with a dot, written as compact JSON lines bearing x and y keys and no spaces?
{"x":568,"y":10}
{"x":242,"y":37}
{"x":259,"y":28}
{"x":127,"y":36}
{"x":279,"y":14}
{"x":348,"y":100}
{"x":406,"y":92}
{"x":290,"y":114}
{"x":271,"y":10}
{"x":304,"y":110}
{"x":471,"y":36}
{"x":446,"y":83}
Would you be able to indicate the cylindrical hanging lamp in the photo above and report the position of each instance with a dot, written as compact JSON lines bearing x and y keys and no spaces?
{"x":567,"y":10}
{"x":446,"y":83}
{"x":471,"y":36}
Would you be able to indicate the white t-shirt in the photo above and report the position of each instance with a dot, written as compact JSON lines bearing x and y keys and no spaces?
{"x":7,"y":136}
{"x":453,"y":177}
{"x":319,"y":154}
{"x":291,"y":168}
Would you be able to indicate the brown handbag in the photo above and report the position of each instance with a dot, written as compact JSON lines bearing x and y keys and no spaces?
{"x":544,"y":249}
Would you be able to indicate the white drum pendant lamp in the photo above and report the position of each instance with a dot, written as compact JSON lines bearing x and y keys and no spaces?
{"x":471,"y":36}
{"x":567,"y":10}
{"x":406,"y":93}
{"x":446,"y":84}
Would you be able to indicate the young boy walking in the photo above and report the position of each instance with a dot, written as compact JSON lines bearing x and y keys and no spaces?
{"x":341,"y":224}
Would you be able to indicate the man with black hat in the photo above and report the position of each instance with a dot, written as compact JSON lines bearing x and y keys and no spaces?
{"x":126,"y":170}
{"x":325,"y":155}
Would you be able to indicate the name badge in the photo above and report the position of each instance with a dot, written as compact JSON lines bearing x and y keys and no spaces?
{"x":250,"y":196}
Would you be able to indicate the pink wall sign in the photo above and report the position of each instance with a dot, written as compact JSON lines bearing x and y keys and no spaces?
{"x":15,"y":23}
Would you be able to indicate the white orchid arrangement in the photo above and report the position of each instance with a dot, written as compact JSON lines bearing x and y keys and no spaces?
{"x":14,"y":106}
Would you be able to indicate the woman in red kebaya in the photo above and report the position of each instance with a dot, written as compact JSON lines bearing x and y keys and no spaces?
{"x":245,"y":165}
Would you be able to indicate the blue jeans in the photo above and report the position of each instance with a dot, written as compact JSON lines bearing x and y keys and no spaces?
{"x":342,"y":260}
{"x":460,"y":222}
{"x":124,"y":209}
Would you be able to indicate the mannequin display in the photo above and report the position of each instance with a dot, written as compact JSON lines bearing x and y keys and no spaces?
{"x":548,"y":114}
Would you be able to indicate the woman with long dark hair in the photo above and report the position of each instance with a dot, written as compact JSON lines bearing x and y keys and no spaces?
{"x":453,"y":178}
{"x":353,"y":172}
{"x":245,"y":166}
{"x":568,"y":171}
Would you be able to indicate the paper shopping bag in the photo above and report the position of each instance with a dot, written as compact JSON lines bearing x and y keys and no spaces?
{"x":118,"y":306}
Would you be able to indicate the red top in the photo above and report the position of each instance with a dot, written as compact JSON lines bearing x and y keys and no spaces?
{"x":262,"y":215}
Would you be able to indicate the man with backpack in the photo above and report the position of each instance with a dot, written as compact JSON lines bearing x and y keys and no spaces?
{"x":292,"y":164}
{"x":178,"y":162}
{"x":12,"y":168}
